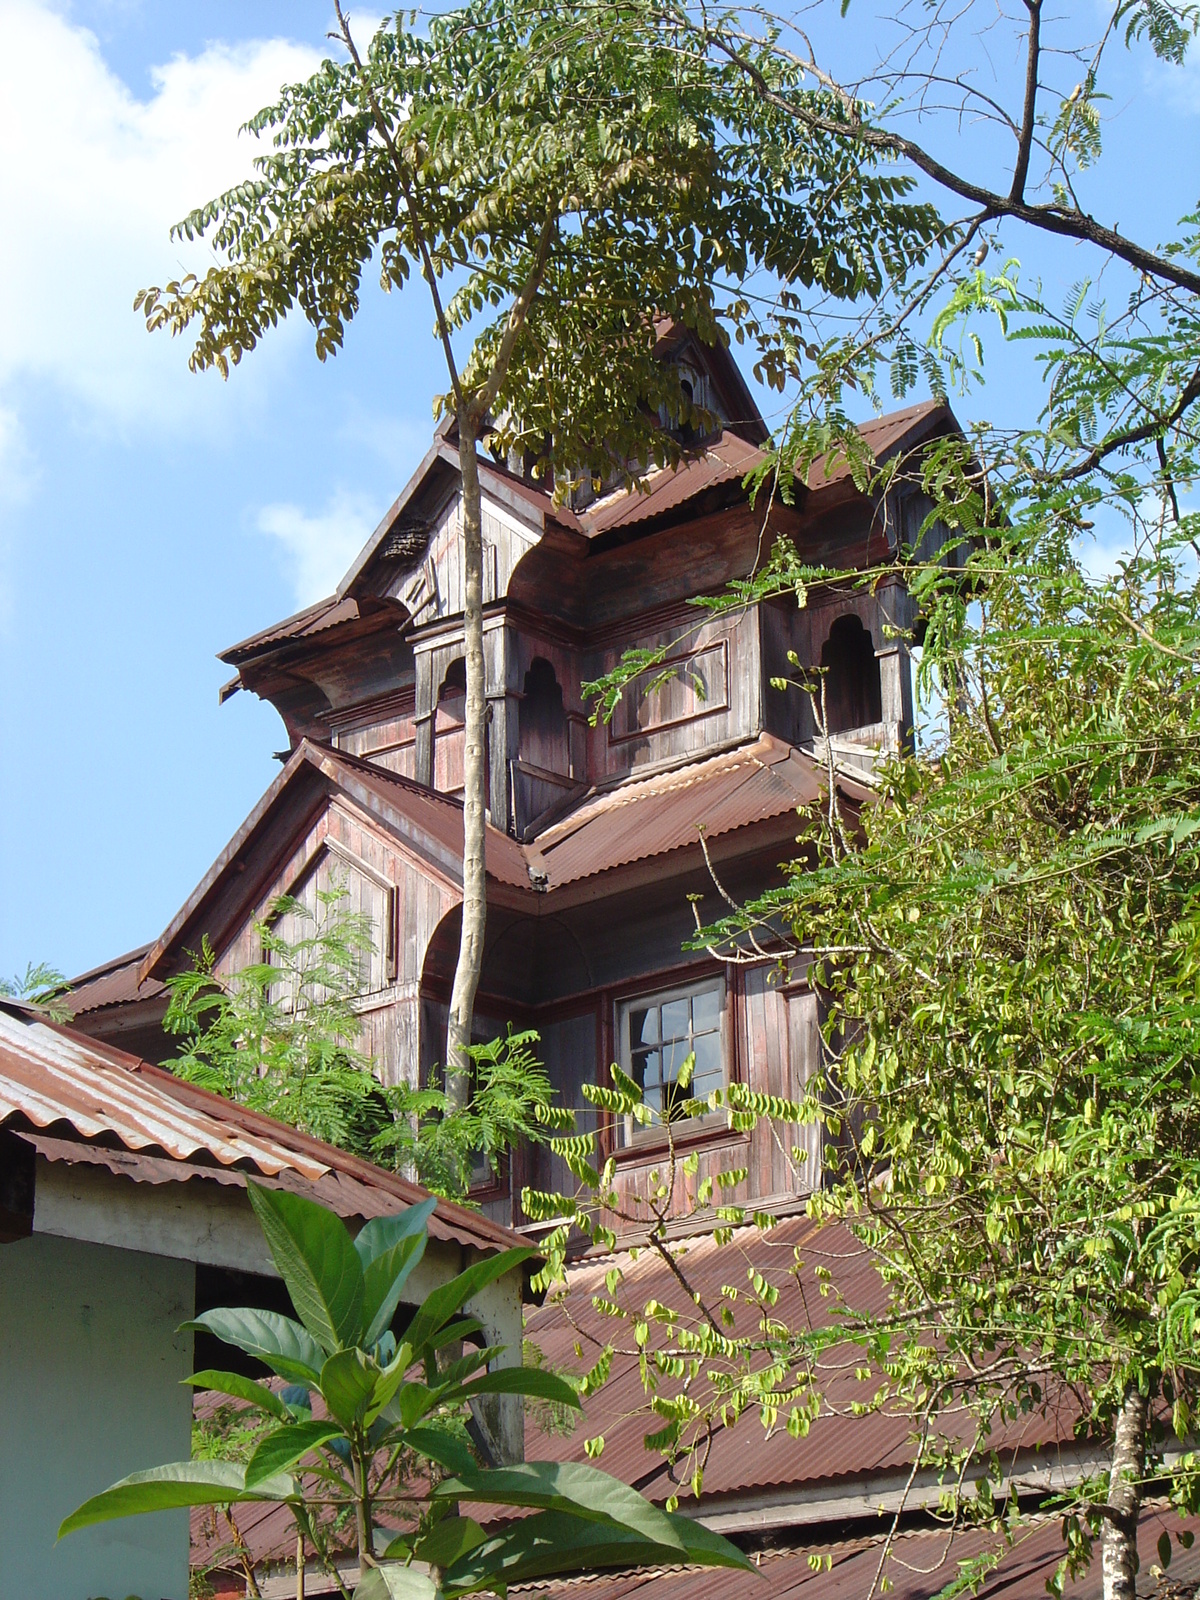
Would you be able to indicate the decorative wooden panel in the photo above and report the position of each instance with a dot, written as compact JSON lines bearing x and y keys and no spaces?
{"x":698,"y":686}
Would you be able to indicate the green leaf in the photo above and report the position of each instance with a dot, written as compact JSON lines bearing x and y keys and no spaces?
{"x":525,"y":1380}
{"x":239,"y":1388}
{"x":317,"y":1260}
{"x":438,"y":1307}
{"x":559,"y":1542}
{"x":447,"y":1449}
{"x":388,"y":1382}
{"x":567,"y":1486}
{"x":393,"y":1581}
{"x":384,"y":1281}
{"x":180,"y":1483}
{"x":448,"y":1541}
{"x":280,"y":1343}
{"x":389,"y":1248}
{"x":285,"y":1446}
{"x":383,"y":1234}
{"x":348,"y":1382}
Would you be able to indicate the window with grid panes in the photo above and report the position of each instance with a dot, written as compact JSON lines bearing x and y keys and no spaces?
{"x":659,"y":1032}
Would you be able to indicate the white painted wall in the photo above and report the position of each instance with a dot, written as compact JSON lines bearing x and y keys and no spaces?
{"x":90,"y":1370}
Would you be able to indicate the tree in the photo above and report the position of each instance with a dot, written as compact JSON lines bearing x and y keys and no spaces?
{"x":1007,"y":938}
{"x":569,"y":187}
{"x":386,"y":1401}
{"x":283,"y":1035}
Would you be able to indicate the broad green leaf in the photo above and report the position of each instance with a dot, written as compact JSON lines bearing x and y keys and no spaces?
{"x":393,"y":1581}
{"x":447,"y":1449}
{"x":567,"y":1486}
{"x":439,"y":1306}
{"x":285,"y":1446}
{"x":384,"y":1279}
{"x":463,"y":1328}
{"x":348,"y":1382}
{"x":317,"y":1260}
{"x":180,"y":1483}
{"x":448,"y":1541}
{"x":525,"y":1380}
{"x":382,"y":1234}
{"x":280,"y":1343}
{"x":388,"y":1382}
{"x":239,"y":1388}
{"x":560,"y":1542}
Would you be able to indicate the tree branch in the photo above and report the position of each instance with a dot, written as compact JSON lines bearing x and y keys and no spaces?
{"x":1049,"y":218}
{"x":1029,"y":116}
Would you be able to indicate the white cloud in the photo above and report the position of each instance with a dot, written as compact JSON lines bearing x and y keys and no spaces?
{"x":320,"y":548}
{"x":89,"y":187}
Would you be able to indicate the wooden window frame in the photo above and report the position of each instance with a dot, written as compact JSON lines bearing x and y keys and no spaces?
{"x":630,"y":1139}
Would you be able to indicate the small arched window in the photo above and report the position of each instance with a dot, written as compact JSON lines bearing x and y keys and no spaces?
{"x":853,"y":695}
{"x":542,"y":719}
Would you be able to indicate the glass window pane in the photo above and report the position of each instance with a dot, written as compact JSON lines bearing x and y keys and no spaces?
{"x":647,"y":1070}
{"x":709,"y":1074}
{"x":706,"y":1010}
{"x":675,"y":1019}
{"x":643,"y":1026}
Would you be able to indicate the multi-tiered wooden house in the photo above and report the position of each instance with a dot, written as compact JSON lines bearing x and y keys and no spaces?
{"x":594,"y":849}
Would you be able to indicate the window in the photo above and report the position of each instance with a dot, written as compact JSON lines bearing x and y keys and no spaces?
{"x":659,"y":1032}
{"x":853,"y":694}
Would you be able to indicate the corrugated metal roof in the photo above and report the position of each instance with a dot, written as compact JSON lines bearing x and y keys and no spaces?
{"x":924,"y":1561}
{"x":116,"y":983}
{"x":744,"y":1459}
{"x":729,"y":457}
{"x":53,"y":1078}
{"x":313,"y":619}
{"x":652,"y":816}
{"x":726,"y":458}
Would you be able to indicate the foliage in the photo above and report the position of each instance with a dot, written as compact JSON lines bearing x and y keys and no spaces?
{"x":40,"y":985}
{"x":362,"y":1406}
{"x":281,"y":1035}
{"x":449,"y":1142}
{"x":1005,"y":942}
{"x":572,"y":179}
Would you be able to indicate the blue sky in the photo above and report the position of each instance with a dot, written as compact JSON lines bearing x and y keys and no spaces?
{"x":149,"y":518}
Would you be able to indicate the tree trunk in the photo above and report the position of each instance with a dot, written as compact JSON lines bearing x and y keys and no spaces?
{"x":1125,"y":1498}
{"x":474,"y":909}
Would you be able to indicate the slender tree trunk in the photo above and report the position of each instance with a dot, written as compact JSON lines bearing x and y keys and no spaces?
{"x":1125,"y":1498}
{"x":474,"y":910}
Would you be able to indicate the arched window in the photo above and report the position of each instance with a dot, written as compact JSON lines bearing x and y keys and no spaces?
{"x":853,"y":698}
{"x":542,"y":721}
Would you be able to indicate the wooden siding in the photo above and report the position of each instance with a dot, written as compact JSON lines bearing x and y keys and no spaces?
{"x":433,"y":589}
{"x":387,"y":877}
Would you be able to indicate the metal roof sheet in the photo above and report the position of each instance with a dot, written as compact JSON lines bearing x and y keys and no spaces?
{"x":116,"y":983}
{"x":53,"y":1078}
{"x":652,"y":816}
{"x":726,"y":458}
{"x":743,"y":1459}
{"x":925,"y":1561}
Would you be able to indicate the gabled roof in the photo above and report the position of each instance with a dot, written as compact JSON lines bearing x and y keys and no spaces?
{"x":632,"y":821}
{"x":428,"y":822}
{"x":97,"y":1103}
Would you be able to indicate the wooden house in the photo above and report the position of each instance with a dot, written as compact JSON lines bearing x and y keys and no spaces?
{"x":594,"y":849}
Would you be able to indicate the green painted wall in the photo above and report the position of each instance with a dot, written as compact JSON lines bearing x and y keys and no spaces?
{"x":90,"y":1370}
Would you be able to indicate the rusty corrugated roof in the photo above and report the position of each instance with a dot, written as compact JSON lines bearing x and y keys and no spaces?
{"x":653,"y":816}
{"x":744,"y":1458}
{"x":726,"y":458}
{"x":729,"y":457}
{"x":116,"y":983}
{"x":925,"y":1561}
{"x":54,"y":1079}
